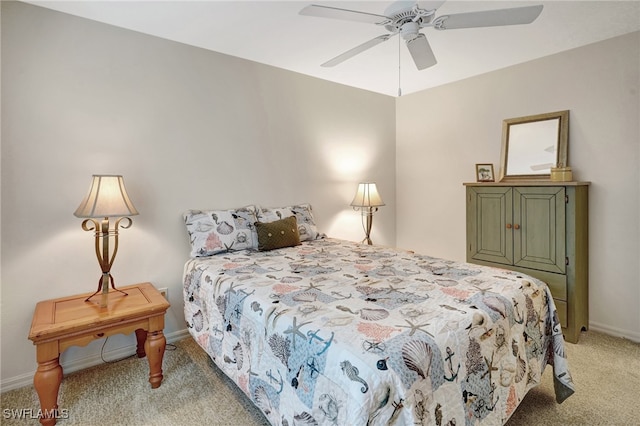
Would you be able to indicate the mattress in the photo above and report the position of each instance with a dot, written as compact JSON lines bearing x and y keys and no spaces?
{"x":337,"y":333}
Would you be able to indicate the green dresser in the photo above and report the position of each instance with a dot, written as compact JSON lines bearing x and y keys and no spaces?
{"x":539,"y":228}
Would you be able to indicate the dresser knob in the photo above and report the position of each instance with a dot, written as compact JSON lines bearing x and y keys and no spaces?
{"x":516,"y":226}
{"x":508,"y":226}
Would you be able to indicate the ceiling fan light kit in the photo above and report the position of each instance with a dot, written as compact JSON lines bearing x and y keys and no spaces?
{"x":407,"y":18}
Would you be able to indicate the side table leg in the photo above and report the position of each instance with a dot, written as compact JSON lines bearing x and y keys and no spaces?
{"x":47,"y":384}
{"x":141,"y":337}
{"x":154,"y":346}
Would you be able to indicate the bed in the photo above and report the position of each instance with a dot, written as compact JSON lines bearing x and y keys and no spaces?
{"x":327,"y":331}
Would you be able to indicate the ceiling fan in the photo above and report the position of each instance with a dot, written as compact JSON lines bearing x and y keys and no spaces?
{"x":408,"y":17}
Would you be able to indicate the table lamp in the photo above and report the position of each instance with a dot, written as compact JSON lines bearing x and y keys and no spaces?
{"x":367,"y":200}
{"x":107,"y":198}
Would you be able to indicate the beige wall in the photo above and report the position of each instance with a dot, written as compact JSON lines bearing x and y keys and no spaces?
{"x":188,"y":128}
{"x":443,"y":132}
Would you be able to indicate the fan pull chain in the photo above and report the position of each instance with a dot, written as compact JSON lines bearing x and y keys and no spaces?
{"x":399,"y":71}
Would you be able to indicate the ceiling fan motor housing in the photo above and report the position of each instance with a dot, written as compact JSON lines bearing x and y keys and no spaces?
{"x":401,"y":8}
{"x":407,"y":18}
{"x":409,"y":30}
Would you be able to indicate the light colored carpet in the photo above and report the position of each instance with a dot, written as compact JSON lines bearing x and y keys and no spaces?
{"x":606,"y":371}
{"x":193,"y":392}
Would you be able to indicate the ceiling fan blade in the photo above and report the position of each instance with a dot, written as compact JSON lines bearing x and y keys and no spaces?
{"x":488,"y":18}
{"x":346,"y":14}
{"x":358,"y":49}
{"x":421,"y":52}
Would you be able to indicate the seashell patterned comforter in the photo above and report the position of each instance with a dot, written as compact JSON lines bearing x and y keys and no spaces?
{"x":332,"y":332}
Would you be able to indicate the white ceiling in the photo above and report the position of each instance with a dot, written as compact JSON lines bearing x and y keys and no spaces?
{"x":273,"y":33}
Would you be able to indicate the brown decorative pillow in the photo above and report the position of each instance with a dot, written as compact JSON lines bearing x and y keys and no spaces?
{"x":306,"y":223}
{"x":278,"y":234}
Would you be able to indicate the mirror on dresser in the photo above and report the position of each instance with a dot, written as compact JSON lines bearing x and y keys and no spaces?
{"x":532,"y":145}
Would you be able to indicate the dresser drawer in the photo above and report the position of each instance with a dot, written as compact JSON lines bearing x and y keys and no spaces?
{"x":561,"y":306}
{"x":557,"y":283}
{"x":558,"y":286}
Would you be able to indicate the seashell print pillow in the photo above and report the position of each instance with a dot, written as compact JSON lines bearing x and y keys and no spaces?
{"x":304,"y":216}
{"x":220,"y":231}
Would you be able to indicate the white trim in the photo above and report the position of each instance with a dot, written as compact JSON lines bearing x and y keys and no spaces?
{"x":617,"y":332}
{"x":86,"y":362}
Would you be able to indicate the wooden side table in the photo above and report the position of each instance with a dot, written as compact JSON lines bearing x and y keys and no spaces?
{"x":72,"y":321}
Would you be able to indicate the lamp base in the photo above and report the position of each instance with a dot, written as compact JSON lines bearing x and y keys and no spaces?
{"x":105,"y":259}
{"x":103,"y":285}
{"x":367,"y":231}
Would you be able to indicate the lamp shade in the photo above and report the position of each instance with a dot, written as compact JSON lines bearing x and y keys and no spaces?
{"x":367,"y":196}
{"x":107,"y":197}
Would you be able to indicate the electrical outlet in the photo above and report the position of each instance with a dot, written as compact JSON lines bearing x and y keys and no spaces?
{"x":164,"y":292}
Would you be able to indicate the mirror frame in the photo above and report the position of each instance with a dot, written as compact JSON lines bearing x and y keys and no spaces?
{"x":562,"y":143}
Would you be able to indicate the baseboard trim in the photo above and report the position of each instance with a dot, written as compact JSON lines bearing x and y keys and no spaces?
{"x":86,"y":362}
{"x":613,"y":331}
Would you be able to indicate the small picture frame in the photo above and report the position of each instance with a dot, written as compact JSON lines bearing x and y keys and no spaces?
{"x":484,"y":173}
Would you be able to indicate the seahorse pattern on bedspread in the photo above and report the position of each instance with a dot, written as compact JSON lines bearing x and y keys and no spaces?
{"x":332,"y":332}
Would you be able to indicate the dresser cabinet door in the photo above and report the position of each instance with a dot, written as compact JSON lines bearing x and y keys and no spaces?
{"x":539,"y":228}
{"x":489,"y":228}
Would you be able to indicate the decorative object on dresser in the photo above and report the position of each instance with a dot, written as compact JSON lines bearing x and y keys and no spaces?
{"x":533,"y":145}
{"x":561,"y":174}
{"x":484,"y":173}
{"x":107,"y":198}
{"x":69,"y":321}
{"x":538,"y":228}
{"x":367,"y":200}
